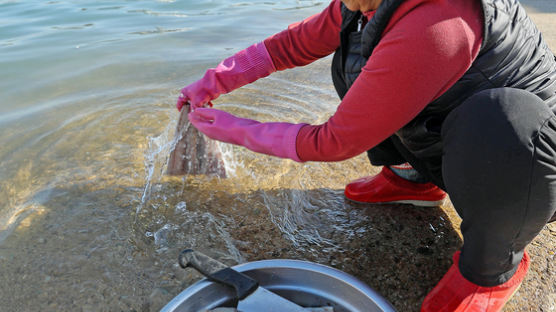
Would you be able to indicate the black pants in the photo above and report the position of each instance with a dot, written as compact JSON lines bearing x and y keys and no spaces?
{"x":499,"y":167}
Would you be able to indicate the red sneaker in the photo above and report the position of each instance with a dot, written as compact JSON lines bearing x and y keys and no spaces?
{"x":454,"y":293}
{"x":387,"y":187}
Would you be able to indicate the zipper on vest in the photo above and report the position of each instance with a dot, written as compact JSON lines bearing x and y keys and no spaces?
{"x":360,"y":23}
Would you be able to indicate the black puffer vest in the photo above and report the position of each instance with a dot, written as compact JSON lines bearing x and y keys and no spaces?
{"x":512,"y":54}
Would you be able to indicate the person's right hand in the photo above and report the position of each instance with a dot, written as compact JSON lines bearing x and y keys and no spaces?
{"x":270,"y":138}
{"x":236,"y":71}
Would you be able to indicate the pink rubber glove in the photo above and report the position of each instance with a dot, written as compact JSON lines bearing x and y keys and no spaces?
{"x":236,"y":71}
{"x":271,"y":138}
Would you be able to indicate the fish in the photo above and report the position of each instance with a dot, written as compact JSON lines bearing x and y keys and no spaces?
{"x":193,"y":153}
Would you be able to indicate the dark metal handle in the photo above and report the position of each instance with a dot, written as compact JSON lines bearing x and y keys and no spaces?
{"x":218,"y":272}
{"x":200,"y":262}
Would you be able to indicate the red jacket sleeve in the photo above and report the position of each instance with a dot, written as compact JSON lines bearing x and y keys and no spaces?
{"x":308,"y":40}
{"x":423,"y":52}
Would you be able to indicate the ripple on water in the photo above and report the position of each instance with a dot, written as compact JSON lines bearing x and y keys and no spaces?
{"x":299,"y":7}
{"x":77,"y":27}
{"x":303,"y":217}
{"x":158,"y":13}
{"x":110,"y":8}
{"x":160,"y":30}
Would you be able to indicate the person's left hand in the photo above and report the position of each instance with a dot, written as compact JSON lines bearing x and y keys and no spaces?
{"x":272,"y":138}
{"x":237,"y":70}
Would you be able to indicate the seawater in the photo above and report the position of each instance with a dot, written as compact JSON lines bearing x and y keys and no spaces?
{"x":88,"y":219}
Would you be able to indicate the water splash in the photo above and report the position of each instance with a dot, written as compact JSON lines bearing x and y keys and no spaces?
{"x":228,"y":158}
{"x":161,"y":236}
{"x":181,"y":207}
{"x":197,"y":230}
{"x":165,"y":215}
{"x":155,"y":162}
{"x":303,"y":219}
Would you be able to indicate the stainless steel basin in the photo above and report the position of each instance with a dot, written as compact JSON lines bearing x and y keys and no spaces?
{"x":305,"y":283}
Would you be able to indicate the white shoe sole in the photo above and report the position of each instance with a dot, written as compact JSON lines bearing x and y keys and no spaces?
{"x":417,"y":203}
